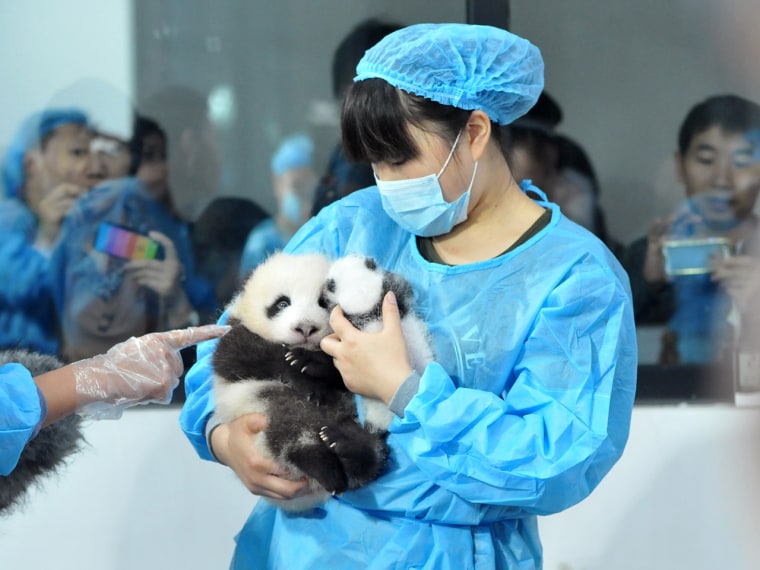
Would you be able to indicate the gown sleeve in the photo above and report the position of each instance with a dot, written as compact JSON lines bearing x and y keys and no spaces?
{"x":22,"y":410}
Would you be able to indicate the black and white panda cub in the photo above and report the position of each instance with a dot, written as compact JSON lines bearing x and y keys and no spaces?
{"x":358,"y":284}
{"x":277,"y":320}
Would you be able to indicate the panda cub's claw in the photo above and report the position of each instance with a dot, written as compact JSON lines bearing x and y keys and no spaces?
{"x":314,"y":364}
{"x":324,"y":437}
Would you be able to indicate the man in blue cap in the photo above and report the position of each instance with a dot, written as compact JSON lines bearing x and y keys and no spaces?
{"x":46,"y":168}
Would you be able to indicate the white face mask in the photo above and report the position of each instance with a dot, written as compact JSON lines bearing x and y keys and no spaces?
{"x":418,"y":205}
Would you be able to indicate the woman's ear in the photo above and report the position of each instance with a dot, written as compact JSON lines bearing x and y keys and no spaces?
{"x":478,"y":132}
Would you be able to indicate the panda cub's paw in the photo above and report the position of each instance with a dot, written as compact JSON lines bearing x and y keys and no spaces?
{"x":313,"y":364}
{"x":361,"y":454}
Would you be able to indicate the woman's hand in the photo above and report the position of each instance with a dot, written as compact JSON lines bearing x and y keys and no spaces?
{"x":139,"y":370}
{"x":233,"y":445}
{"x":373,"y":365}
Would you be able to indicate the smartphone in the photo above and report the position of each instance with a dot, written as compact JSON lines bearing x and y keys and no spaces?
{"x":126,"y":243}
{"x":694,"y":256}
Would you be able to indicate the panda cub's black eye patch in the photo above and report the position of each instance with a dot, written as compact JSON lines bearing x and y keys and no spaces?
{"x":280,"y":304}
{"x":322,"y":302}
{"x":330,"y":285}
{"x":370,"y":264}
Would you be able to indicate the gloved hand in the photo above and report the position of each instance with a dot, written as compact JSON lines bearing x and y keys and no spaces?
{"x":140,"y":370}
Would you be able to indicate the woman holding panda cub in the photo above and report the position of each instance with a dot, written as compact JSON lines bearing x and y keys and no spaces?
{"x":528,"y":403}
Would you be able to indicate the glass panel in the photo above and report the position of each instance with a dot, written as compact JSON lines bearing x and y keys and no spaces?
{"x":161,"y":116}
{"x":625,"y":76}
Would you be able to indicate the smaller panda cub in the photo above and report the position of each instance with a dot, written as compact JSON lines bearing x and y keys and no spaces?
{"x":270,"y":363}
{"x":358,"y":285}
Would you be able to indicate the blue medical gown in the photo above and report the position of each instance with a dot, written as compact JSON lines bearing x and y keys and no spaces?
{"x":27,"y":312}
{"x":526,"y":408}
{"x":20,"y":413}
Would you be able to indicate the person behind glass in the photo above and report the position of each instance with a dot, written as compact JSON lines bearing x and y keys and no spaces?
{"x":717,"y":164}
{"x":529,"y":143}
{"x":138,"y":371}
{"x":46,"y":167}
{"x":528,"y":403}
{"x":576,"y":190}
{"x":102,"y":298}
{"x":219,"y":237}
{"x":111,"y":116}
{"x":293,"y":181}
{"x":557,"y":164}
{"x":111,"y":154}
{"x":344,"y":176}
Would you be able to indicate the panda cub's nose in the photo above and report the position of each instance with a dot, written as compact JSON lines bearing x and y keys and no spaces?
{"x":307,"y":329}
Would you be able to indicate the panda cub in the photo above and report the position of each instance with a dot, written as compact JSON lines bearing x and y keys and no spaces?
{"x":358,"y":284}
{"x":270,"y":362}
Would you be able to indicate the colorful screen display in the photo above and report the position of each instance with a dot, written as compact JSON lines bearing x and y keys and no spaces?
{"x":125,"y":243}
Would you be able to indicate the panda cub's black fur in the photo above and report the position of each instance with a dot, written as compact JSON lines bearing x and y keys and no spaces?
{"x":270,"y":363}
{"x":46,"y":452}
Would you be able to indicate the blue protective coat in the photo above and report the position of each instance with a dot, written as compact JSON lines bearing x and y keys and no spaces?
{"x":21,"y":411}
{"x":27,"y":312}
{"x":264,"y":239}
{"x":526,"y":408}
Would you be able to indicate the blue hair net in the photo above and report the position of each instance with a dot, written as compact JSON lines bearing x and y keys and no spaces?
{"x":462,"y":65}
{"x":294,"y":152}
{"x":29,"y":134}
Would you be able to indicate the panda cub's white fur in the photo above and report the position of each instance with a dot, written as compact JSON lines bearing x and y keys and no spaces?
{"x":358,"y":284}
{"x":270,"y":363}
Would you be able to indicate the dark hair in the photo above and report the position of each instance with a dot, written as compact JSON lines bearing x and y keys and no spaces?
{"x":176,"y":108}
{"x":226,"y":223}
{"x":537,"y":142}
{"x":732,"y":113}
{"x":351,"y":49}
{"x":141,"y":128}
{"x":376,"y":117}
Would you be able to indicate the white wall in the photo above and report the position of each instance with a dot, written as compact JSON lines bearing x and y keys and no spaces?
{"x":46,"y":45}
{"x":137,"y":496}
{"x":686,"y":494}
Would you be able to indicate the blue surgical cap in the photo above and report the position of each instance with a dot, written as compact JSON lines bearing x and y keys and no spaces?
{"x":461,"y":65}
{"x":29,"y":135}
{"x":294,"y":152}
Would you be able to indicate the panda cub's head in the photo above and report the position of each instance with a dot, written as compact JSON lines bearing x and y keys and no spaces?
{"x":358,"y":284}
{"x":282,"y":300}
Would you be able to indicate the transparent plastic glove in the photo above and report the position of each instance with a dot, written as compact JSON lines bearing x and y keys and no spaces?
{"x":140,"y":370}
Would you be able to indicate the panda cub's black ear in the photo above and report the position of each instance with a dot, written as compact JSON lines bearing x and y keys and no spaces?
{"x":370,"y":263}
{"x":402,"y":289}
{"x":330,"y":285}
